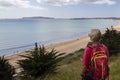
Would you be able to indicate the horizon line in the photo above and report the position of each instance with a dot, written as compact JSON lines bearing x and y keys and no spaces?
{"x":62,"y":18}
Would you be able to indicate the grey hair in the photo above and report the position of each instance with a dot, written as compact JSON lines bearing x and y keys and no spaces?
{"x":95,"y":35}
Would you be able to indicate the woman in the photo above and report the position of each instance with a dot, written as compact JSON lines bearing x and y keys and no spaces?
{"x":92,"y":69}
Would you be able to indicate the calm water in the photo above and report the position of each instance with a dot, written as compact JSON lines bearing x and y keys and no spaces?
{"x":20,"y":35}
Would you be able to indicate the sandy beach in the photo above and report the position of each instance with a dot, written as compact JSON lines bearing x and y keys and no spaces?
{"x":63,"y":47}
{"x":67,"y":47}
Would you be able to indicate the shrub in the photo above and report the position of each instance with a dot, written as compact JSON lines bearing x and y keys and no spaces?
{"x":40,"y":62}
{"x":111,"y":39}
{"x":6,"y":70}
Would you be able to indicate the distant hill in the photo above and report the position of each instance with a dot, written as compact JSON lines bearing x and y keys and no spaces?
{"x":38,"y":17}
{"x":115,"y":18}
{"x":41,"y":17}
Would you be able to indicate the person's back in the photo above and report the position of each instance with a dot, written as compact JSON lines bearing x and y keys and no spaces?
{"x":95,"y":59}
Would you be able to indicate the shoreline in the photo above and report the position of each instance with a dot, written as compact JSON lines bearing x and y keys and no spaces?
{"x":63,"y":47}
{"x":66,"y":47}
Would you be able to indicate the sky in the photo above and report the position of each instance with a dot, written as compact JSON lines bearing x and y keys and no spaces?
{"x":59,"y":8}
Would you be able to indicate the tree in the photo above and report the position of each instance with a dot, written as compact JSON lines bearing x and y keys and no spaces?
{"x":6,"y":70}
{"x":40,"y":62}
{"x":111,"y":38}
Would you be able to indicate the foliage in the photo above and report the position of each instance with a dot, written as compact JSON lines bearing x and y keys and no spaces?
{"x":115,"y":68}
{"x":72,"y":71}
{"x":40,"y":62}
{"x":111,"y":39}
{"x":6,"y":70}
{"x":71,"y":67}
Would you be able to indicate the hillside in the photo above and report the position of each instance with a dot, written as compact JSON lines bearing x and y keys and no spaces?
{"x":38,"y":17}
{"x":71,"y":67}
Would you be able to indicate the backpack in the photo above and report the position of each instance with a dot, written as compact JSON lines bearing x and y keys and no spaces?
{"x":99,"y":63}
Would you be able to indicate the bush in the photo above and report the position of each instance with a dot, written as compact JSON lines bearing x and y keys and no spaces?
{"x":40,"y":62}
{"x":111,"y":39}
{"x":6,"y":70}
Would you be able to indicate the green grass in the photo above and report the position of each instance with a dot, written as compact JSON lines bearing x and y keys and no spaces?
{"x":71,"y":67}
{"x":115,"y":68}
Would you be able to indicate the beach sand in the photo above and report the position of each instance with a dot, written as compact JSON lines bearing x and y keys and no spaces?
{"x":63,"y":47}
{"x":67,"y":47}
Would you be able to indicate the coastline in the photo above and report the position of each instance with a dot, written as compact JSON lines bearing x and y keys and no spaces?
{"x":117,"y":27}
{"x":63,"y":47}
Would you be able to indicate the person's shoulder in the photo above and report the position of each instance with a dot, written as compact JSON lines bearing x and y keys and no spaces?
{"x":104,"y":45}
{"x":89,"y":45}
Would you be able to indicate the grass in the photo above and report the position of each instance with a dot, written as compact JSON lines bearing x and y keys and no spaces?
{"x":115,"y":68}
{"x":71,"y":66}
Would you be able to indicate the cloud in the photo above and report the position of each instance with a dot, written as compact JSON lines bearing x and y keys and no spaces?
{"x":59,"y":2}
{"x":73,"y":2}
{"x":109,"y":2}
{"x":6,"y":4}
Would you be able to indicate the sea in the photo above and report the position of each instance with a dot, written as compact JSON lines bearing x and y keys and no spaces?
{"x":18,"y":35}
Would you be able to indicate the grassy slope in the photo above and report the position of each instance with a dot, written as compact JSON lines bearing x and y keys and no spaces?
{"x":71,"y":68}
{"x":115,"y":68}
